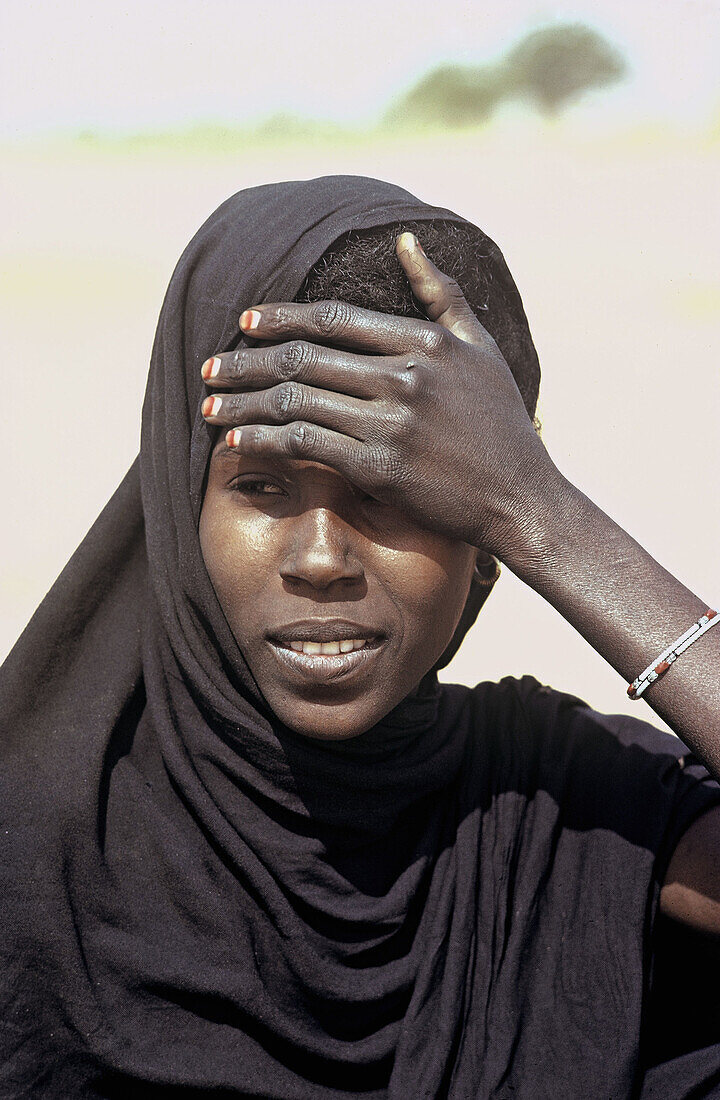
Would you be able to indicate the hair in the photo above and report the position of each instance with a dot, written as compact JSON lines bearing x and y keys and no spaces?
{"x":361,"y":268}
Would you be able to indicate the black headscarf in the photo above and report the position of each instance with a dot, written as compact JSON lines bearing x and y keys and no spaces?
{"x":199,"y":899}
{"x":129,"y":692}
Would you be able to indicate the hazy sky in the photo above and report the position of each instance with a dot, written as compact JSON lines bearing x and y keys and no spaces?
{"x":134,"y":64}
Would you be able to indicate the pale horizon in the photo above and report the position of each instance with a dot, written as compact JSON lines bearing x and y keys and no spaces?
{"x":132,"y":67}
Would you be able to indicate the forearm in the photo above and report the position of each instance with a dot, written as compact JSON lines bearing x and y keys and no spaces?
{"x":627,"y":606}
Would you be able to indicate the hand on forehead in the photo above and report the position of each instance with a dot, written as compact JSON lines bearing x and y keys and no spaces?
{"x":394,"y":404}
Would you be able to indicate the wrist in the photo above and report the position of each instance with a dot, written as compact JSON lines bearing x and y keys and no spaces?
{"x":546,"y":522}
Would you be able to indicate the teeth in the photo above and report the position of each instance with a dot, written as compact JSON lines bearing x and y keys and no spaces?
{"x":328,"y":649}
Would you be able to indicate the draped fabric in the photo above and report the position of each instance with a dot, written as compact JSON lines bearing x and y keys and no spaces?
{"x":198,"y":901}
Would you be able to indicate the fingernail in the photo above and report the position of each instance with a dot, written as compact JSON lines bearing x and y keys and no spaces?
{"x":407,"y":241}
{"x":233,"y":438}
{"x":420,"y":248}
{"x":249,"y":320}
{"x":211,"y":367}
{"x":211,"y":406}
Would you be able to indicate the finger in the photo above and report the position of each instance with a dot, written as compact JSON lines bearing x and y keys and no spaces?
{"x":363,"y":376}
{"x":363,"y":466}
{"x":286,"y":403}
{"x":342,"y":325}
{"x":438,"y":294}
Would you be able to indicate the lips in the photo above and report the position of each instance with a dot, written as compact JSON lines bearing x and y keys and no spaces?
{"x":322,"y":631}
{"x":325,"y":649}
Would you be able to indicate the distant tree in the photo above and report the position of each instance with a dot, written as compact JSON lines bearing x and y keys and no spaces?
{"x":550,"y":67}
{"x":451,"y":95}
{"x":556,"y":65}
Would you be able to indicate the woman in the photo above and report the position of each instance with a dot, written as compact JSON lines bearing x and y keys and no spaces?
{"x":252,"y":847}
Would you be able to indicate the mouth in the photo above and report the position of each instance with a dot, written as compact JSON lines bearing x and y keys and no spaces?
{"x":326,"y":650}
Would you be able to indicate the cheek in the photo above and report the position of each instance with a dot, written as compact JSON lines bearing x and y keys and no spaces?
{"x":233,"y":550}
{"x":434,"y":587}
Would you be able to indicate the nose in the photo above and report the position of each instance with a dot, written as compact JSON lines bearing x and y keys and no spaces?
{"x":321,"y":551}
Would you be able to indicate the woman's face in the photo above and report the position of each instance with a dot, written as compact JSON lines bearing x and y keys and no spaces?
{"x":339,"y":604}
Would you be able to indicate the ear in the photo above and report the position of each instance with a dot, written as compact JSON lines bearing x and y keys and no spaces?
{"x":487,"y":569}
{"x":486,"y":572}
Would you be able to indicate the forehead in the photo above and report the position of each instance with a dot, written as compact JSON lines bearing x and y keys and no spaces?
{"x":295,"y":466}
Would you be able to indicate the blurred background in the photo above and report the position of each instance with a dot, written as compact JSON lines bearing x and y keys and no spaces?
{"x":584,"y":137}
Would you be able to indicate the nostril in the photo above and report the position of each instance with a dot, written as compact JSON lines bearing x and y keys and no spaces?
{"x":322,"y":551}
{"x":322,"y":564}
{"x":321,"y":572}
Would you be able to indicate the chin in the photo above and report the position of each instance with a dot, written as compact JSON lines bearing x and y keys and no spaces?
{"x":329,"y":723}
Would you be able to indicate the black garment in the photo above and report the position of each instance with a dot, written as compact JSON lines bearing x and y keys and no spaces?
{"x":197,"y":901}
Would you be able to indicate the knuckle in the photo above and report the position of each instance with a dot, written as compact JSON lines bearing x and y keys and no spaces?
{"x":451,"y":295}
{"x":299,"y":438}
{"x":280,"y":316}
{"x":395,"y":434}
{"x":405,"y":423}
{"x":233,"y":405}
{"x":410,"y":381}
{"x":289,"y":358}
{"x":392,"y":429}
{"x":253,"y":437}
{"x":415,"y":386}
{"x":434,"y":341}
{"x":330,"y":318}
{"x":382,"y":468}
{"x":456,"y":301}
{"x":453,"y":291}
{"x":286,"y":400}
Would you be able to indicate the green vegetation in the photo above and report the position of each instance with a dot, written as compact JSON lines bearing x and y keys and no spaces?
{"x":547,"y":68}
{"x":219,"y":137}
{"x":550,"y":68}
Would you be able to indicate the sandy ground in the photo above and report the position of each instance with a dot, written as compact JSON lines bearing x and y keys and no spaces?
{"x":614,"y":245}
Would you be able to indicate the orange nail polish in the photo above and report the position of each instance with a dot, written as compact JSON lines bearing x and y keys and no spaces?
{"x":211,"y":367}
{"x":249,"y":320}
{"x":211,"y":406}
{"x":233,"y":438}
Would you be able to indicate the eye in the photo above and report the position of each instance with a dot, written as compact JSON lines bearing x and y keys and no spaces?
{"x":257,"y":487}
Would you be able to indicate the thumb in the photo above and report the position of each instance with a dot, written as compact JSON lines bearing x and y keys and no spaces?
{"x":439,"y":296}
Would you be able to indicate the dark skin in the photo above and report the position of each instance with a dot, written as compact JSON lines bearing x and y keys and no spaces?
{"x":425,"y":419}
{"x":291,"y":542}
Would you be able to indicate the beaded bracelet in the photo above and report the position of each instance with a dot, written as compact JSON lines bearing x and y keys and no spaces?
{"x":662,"y":663}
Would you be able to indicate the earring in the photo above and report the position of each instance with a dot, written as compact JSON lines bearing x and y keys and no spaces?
{"x":486,"y":572}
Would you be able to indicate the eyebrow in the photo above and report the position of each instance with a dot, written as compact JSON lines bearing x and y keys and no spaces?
{"x":225,"y":452}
